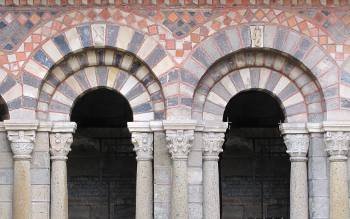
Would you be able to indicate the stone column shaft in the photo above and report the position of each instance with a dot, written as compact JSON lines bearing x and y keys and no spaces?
{"x":298,"y":189}
{"x":59,"y":191}
{"x":297,"y":148}
{"x":22,"y":144}
{"x":22,"y":201}
{"x":61,"y":139}
{"x":179,"y":200}
{"x":179,"y":144}
{"x":337,"y":148}
{"x":211,"y":195}
{"x":143,"y":146}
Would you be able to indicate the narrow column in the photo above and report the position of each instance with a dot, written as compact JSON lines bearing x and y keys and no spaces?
{"x":297,"y":148}
{"x":61,"y":139}
{"x":179,"y":144}
{"x":143,"y":146}
{"x":212,"y":143}
{"x":22,"y":145}
{"x":337,"y":148}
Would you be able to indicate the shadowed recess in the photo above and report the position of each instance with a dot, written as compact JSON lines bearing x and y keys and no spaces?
{"x":253,"y":109}
{"x":102,"y":108}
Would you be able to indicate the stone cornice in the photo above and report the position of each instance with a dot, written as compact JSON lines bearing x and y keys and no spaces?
{"x":64,"y":127}
{"x":179,"y":124}
{"x":21,"y":125}
{"x":156,"y":126}
{"x":293,"y":128}
{"x":215,"y":126}
{"x":336,"y":126}
{"x":139,"y":127}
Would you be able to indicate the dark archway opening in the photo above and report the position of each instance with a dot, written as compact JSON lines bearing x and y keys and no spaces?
{"x":4,"y":112}
{"x":102,"y":164}
{"x":254,"y":167}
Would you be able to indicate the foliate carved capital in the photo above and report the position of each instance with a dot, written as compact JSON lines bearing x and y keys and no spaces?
{"x":212,"y":145}
{"x":337,"y":145}
{"x":143,"y":142}
{"x":179,"y":143}
{"x":60,"y":145}
{"x":22,"y":143}
{"x":297,"y":146}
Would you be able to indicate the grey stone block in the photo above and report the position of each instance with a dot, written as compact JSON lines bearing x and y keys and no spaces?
{"x":42,"y":142}
{"x":319,"y":208}
{"x":195,"y":176}
{"x":195,"y":193}
{"x":5,"y":193}
{"x":40,"y":160}
{"x":40,"y":210}
{"x":5,"y":210}
{"x":195,"y":158}
{"x":40,"y":193}
{"x":195,"y":211}
{"x":162,"y":193}
{"x":161,"y":210}
{"x":6,"y":176}
{"x":317,"y":167}
{"x":40,"y":176}
{"x":319,"y":188}
{"x":162,"y":175}
{"x":6,"y":160}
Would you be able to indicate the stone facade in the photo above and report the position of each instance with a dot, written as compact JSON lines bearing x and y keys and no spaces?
{"x":178,"y":64}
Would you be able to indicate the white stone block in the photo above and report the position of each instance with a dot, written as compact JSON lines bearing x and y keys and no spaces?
{"x":6,"y":160}
{"x":40,"y":160}
{"x":5,"y":193}
{"x":6,"y":176}
{"x":195,"y":175}
{"x":40,"y":176}
{"x":40,"y":210}
{"x":40,"y":193}
{"x":162,"y":193}
{"x":195,"y":211}
{"x":5,"y":210}
{"x":195,"y":193}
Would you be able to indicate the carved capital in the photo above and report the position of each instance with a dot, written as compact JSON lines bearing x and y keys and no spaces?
{"x":297,"y":146}
{"x":179,"y":143}
{"x":22,"y":143}
{"x":212,"y":145}
{"x":337,"y":145}
{"x":143,"y":142}
{"x":60,"y":145}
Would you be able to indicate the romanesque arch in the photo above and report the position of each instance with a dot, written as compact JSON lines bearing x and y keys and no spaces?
{"x":298,"y":92}
{"x":135,"y":45}
{"x":314,"y":64}
{"x":93,"y":68}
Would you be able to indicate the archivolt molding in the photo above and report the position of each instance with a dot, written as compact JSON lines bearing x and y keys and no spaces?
{"x":299,"y":94}
{"x":284,"y":42}
{"x":95,"y":68}
{"x":95,"y":35}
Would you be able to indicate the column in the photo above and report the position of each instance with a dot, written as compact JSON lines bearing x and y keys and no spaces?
{"x":61,"y":138}
{"x":179,"y":143}
{"x":22,"y":145}
{"x":337,"y":148}
{"x":297,"y":148}
{"x":143,"y":146}
{"x":212,"y":147}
